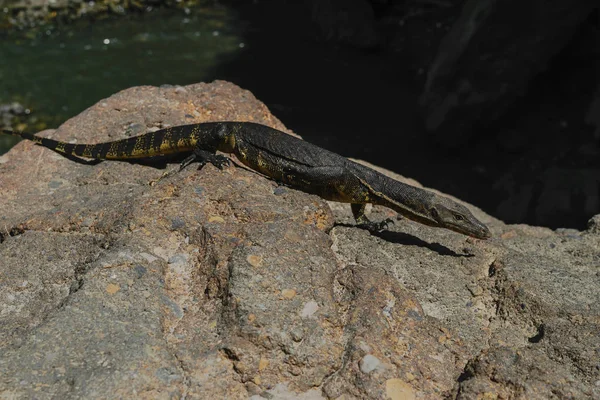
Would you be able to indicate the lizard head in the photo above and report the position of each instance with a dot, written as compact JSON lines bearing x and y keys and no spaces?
{"x":451,"y":215}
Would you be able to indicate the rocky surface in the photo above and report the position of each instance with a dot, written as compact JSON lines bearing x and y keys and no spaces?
{"x":222,"y":284}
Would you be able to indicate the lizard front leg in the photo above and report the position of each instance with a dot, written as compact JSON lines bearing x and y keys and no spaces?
{"x":358,"y":210}
{"x":205,"y":157}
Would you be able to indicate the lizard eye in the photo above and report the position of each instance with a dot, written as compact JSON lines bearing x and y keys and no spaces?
{"x":434,"y":213}
{"x":459,"y":217}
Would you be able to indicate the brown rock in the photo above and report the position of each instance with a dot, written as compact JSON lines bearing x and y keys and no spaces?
{"x":220,"y":284}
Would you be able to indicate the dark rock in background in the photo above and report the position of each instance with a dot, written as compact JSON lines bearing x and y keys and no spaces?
{"x":351,"y":22}
{"x":489,"y":57}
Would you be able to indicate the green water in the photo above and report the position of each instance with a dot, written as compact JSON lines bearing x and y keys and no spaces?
{"x":67,"y":69}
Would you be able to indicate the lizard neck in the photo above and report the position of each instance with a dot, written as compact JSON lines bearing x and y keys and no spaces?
{"x":409,"y":201}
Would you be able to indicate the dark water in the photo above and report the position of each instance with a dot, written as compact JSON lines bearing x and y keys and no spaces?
{"x":311,"y":86}
{"x":65,"y":70}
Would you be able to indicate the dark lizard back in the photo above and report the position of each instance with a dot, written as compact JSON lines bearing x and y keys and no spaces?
{"x":281,"y":145}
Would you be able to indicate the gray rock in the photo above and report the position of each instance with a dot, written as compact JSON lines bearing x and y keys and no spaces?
{"x":594,"y":224}
{"x":369,"y":363}
{"x":215,"y":283}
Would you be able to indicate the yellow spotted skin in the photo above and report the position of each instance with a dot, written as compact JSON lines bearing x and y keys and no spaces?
{"x":286,"y":159}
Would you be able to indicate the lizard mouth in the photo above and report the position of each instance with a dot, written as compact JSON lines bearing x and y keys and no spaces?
{"x":478,"y":231}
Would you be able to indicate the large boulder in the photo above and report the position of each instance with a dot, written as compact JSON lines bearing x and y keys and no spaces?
{"x":222,"y":284}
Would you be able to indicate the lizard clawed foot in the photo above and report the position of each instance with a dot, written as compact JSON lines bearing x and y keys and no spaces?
{"x":219,"y":161}
{"x":372,"y":226}
{"x":207,"y":157}
{"x":362,"y":222}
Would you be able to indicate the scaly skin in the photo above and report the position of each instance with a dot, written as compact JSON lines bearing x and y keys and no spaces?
{"x":289,"y":160}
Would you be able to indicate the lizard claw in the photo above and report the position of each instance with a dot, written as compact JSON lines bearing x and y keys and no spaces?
{"x":375,"y":226}
{"x":385,"y":223}
{"x":220,"y":161}
{"x":206,"y":157}
{"x":165,"y":175}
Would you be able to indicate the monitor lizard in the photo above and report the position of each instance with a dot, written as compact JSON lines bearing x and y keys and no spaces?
{"x":286,"y":159}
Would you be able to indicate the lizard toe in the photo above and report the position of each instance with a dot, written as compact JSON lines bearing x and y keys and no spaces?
{"x":220,"y":161}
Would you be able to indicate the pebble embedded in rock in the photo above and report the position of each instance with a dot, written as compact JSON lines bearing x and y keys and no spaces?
{"x":397,"y":389}
{"x":369,"y":363}
{"x":309,"y":309}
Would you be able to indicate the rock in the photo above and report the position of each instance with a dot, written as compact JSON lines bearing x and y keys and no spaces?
{"x":564,"y":190}
{"x":485,"y":62}
{"x":592,"y":116}
{"x":220,"y":283}
{"x":369,"y":363}
{"x":499,"y":368}
{"x":396,"y":389}
{"x":554,"y":197}
{"x":594,"y":224}
{"x":345,"y":21}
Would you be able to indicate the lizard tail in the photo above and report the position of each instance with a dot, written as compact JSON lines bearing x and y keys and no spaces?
{"x":24,"y":135}
{"x":151,"y":144}
{"x":120,"y":149}
{"x":60,"y":147}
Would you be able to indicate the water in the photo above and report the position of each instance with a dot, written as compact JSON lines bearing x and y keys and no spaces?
{"x":65,"y":70}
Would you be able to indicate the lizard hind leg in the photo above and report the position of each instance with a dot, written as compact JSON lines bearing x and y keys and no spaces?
{"x":358,"y":210}
{"x":167,"y":174}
